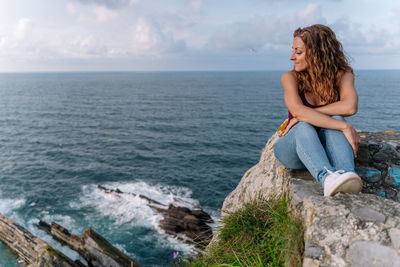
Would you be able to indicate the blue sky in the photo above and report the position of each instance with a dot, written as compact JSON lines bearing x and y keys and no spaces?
{"x":162,"y":35}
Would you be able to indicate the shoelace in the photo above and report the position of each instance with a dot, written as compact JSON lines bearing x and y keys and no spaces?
{"x":330,"y":172}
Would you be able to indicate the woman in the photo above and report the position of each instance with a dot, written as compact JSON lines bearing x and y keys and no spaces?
{"x":319,"y":92}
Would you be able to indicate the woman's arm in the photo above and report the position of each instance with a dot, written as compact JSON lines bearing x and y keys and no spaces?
{"x":348,"y":103}
{"x":303,"y":113}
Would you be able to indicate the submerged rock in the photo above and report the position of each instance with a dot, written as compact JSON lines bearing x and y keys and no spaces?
{"x":188,"y":225}
{"x":343,"y":230}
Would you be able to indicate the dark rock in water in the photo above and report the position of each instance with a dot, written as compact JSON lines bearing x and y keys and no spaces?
{"x":106,"y":190}
{"x":94,"y":248}
{"x":202,"y":215}
{"x":181,"y":220}
{"x":109,"y":190}
{"x":178,"y":221}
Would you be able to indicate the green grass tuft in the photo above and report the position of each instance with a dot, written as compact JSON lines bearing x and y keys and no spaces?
{"x":262,"y":233}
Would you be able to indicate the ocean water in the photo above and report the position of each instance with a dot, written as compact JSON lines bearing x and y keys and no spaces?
{"x":177,"y":137}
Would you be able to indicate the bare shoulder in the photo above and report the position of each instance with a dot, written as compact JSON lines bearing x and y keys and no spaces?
{"x":345,"y":77}
{"x":289,"y":83}
{"x":346,"y":87}
{"x":289,"y":77}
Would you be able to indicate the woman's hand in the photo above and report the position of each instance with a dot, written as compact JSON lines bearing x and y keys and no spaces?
{"x":352,"y":136}
{"x":292,"y":123}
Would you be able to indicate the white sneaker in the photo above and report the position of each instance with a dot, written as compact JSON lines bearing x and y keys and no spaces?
{"x":340,"y":181}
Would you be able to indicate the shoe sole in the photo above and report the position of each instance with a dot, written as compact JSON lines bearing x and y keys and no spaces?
{"x":352,"y":184}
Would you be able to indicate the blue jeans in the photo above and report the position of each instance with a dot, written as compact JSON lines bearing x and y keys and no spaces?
{"x":305,"y":147}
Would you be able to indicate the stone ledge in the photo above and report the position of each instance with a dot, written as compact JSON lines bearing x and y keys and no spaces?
{"x":344,"y":230}
{"x":336,"y":228}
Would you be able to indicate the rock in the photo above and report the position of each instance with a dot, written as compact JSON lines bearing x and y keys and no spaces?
{"x":369,"y":174}
{"x":94,"y":248}
{"x":373,"y":146}
{"x":363,"y":154}
{"x":117,"y":191}
{"x":101,"y":253}
{"x":378,"y":153}
{"x":369,"y":253}
{"x":395,"y":237}
{"x":181,"y":220}
{"x":314,"y":251}
{"x":177,"y":221}
{"x":368,"y":214}
{"x":343,"y":230}
{"x":394,"y":174}
{"x":62,"y":235}
{"x":31,"y":250}
{"x":202,"y":215}
{"x":387,"y":154}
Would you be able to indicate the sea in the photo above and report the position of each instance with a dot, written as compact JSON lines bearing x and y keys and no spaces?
{"x":181,"y":138}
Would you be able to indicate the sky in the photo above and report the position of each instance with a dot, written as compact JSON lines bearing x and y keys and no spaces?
{"x":186,"y":35}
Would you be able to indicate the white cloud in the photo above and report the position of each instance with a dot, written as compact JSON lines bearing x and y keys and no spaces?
{"x":4,"y":46}
{"x":365,"y":39}
{"x":102,"y":15}
{"x":3,"y":40}
{"x":71,"y":8}
{"x":264,"y":32}
{"x":21,"y":28}
{"x":197,"y":4}
{"x":132,"y":30}
{"x":82,"y":47}
{"x":310,"y":15}
{"x":110,"y":3}
{"x":150,"y":38}
{"x":96,"y":15}
{"x":133,"y":2}
{"x":26,"y":43}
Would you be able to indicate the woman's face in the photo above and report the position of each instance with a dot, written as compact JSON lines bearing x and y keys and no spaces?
{"x":299,"y":55}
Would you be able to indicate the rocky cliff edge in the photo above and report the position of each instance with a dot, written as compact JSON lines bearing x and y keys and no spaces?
{"x":346,"y":229}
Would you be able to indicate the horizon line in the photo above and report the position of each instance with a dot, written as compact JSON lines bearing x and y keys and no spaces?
{"x":154,"y":71}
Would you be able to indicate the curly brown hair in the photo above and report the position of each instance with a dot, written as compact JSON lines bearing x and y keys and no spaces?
{"x":325,"y":57}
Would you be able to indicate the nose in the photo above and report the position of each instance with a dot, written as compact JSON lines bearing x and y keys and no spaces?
{"x":292,"y":56}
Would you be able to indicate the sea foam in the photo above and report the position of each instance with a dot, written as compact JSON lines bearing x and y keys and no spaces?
{"x":129,"y":208}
